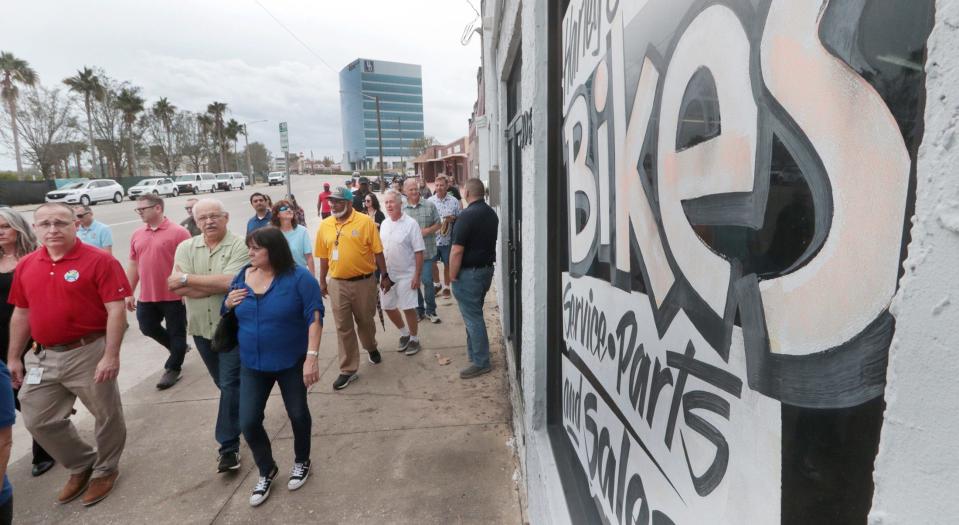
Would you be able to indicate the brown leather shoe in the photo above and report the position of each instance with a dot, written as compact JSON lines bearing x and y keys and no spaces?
{"x":100,"y":488}
{"x":74,"y":487}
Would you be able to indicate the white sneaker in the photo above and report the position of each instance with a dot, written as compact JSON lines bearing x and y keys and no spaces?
{"x":298,"y":475}
{"x":262,"y":489}
{"x":435,"y":319}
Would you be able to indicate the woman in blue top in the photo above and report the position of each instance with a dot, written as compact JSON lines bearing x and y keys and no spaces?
{"x":297,"y":236}
{"x":279,"y":311}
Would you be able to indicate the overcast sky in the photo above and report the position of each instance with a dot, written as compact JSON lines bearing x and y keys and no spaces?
{"x":196,"y":51}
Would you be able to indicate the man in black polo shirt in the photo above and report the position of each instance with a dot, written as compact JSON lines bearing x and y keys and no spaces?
{"x":471,"y":270}
{"x":359,"y":196}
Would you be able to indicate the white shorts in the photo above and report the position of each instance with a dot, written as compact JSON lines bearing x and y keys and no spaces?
{"x":400,"y":296}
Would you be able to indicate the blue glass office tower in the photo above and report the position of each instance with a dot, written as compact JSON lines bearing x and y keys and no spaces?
{"x":399,"y":88}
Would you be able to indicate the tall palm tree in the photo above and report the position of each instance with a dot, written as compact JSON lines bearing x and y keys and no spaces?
{"x":216,"y":110}
{"x":130,"y":103}
{"x":205,"y":125}
{"x":14,"y":71}
{"x":164,"y":112}
{"x":232,"y":133}
{"x":87,"y":83}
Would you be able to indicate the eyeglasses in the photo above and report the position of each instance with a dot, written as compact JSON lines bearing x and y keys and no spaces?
{"x":84,"y":214}
{"x":141,"y":210}
{"x":46,"y":225}
{"x":189,"y":209}
{"x":283,"y":208}
{"x":210,"y":217}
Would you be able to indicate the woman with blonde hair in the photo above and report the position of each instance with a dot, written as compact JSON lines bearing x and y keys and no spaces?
{"x":16,"y":241}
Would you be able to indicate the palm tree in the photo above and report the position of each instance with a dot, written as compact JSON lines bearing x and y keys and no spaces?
{"x":205,"y":125}
{"x":14,"y":71}
{"x":164,"y":112}
{"x":87,"y":83}
{"x":216,"y":110}
{"x":232,"y":133}
{"x":130,"y":103}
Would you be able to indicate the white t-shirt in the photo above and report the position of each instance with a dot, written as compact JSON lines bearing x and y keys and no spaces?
{"x":401,"y":240}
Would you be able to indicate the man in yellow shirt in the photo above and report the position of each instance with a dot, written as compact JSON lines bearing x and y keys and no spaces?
{"x":349,"y":249}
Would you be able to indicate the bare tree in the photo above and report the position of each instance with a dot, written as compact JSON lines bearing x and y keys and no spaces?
{"x":45,"y":121}
{"x":171,"y":138}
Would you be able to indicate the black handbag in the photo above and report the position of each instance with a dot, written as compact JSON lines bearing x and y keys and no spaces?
{"x":225,"y":336}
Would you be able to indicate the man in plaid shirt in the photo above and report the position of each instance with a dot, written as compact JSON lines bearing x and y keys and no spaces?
{"x":449,"y":208}
{"x":425,"y":214}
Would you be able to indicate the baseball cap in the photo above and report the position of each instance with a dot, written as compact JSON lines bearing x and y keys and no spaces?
{"x":341,"y":193}
{"x":326,"y":185}
{"x":364,"y":180}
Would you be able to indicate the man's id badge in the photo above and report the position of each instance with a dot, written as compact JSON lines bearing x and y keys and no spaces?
{"x":336,"y":255}
{"x":33,"y":376}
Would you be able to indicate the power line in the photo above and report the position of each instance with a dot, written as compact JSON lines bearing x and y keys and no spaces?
{"x":298,"y":39}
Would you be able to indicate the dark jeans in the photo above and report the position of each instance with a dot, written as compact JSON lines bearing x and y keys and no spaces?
{"x":6,"y":512}
{"x":173,"y":336}
{"x":254,"y":393}
{"x":224,"y":368}
{"x":470,"y":290}
{"x":426,"y":293}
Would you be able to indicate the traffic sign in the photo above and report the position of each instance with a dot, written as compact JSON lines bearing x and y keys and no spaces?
{"x":284,"y":138}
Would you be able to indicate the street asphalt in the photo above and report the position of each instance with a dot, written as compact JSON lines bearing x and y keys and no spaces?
{"x":408,"y":443}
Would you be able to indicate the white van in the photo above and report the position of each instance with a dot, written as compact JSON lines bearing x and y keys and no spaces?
{"x":233,"y":180}
{"x":196,"y":182}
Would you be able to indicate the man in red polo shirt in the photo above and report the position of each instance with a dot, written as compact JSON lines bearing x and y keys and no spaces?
{"x":69,"y":297}
{"x":151,"y":262}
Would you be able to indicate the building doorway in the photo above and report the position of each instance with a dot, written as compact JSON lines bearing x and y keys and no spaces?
{"x":513,"y":276}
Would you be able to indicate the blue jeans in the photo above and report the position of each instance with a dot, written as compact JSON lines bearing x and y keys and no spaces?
{"x":150,"y":316}
{"x":224,"y":368}
{"x":470,"y":289}
{"x":443,"y":254}
{"x":427,"y":291}
{"x":254,"y":393}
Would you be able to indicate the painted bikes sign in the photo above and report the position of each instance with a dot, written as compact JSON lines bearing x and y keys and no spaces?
{"x":738,"y":176}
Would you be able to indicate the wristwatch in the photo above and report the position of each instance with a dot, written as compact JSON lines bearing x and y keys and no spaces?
{"x":314,"y":353}
{"x":183,"y":279}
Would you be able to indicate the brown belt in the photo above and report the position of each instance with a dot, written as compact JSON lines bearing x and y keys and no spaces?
{"x":83,"y":341}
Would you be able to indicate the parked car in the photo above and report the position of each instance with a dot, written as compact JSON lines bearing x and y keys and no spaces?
{"x":154,"y":186}
{"x":87,"y":192}
{"x":233,"y":180}
{"x":196,"y":182}
{"x":276,"y":177}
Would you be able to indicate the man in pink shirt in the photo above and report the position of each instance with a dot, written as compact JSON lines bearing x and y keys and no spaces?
{"x":152,"y":248}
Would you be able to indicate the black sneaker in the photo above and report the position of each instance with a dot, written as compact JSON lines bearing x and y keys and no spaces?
{"x":228,"y":461}
{"x":261,"y":490}
{"x":298,"y":475}
{"x":344,"y":380}
{"x":404,"y":342}
{"x":375,"y":357}
{"x":168,"y":379}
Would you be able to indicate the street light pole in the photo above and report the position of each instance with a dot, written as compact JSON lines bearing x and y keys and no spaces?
{"x":246,"y":144}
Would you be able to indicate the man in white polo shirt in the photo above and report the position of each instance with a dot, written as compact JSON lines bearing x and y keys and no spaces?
{"x":403,"y":248}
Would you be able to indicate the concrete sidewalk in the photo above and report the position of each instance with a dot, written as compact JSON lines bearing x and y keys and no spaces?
{"x":408,"y":443}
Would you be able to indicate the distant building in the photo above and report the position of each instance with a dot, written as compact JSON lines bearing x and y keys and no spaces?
{"x":279,"y":164}
{"x":399,"y":88}
{"x":450,"y":159}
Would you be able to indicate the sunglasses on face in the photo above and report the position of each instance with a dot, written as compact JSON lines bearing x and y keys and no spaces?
{"x":283,"y":208}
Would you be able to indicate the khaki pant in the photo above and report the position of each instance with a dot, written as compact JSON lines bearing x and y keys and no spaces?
{"x":353,"y":301}
{"x":46,"y":409}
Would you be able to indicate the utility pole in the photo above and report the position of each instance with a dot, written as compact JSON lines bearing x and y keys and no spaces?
{"x":379,"y":134}
{"x":285,"y":144}
{"x":312,"y":162}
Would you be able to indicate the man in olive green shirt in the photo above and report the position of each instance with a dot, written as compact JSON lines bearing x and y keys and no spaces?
{"x":204,"y":267}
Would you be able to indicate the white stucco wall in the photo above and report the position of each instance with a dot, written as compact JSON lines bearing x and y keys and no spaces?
{"x":917,"y":469}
